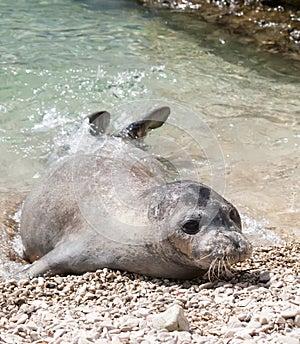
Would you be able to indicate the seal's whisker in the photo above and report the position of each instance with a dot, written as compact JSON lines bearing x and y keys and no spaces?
{"x":228,"y":270}
{"x":224,"y":266}
{"x":215,"y":269}
{"x":207,"y":256}
{"x":227,"y":267}
{"x":208,"y":273}
{"x":219,"y":267}
{"x":211,"y":269}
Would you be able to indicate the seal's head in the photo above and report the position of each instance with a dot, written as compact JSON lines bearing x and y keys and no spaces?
{"x":200,"y":228}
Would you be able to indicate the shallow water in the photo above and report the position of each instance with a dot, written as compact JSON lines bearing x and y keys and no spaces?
{"x":235,"y":112}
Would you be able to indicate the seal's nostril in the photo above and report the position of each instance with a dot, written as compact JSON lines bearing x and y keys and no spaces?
{"x":237,"y":244}
{"x":233,"y":239}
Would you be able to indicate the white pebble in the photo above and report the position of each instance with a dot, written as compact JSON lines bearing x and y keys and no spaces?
{"x":290,"y":312}
{"x":297,"y":321}
{"x":137,"y":334}
{"x":22,"y":318}
{"x":3,"y":322}
{"x":172,"y":319}
{"x":39,"y":304}
{"x":287,"y":340}
{"x":184,"y":337}
{"x":59,"y":333}
{"x":40,"y":281}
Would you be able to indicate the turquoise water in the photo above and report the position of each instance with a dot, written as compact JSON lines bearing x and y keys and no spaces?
{"x":235,"y":110}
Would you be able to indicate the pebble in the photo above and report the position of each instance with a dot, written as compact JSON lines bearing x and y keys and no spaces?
{"x":297,"y":321}
{"x":243,"y":334}
{"x":3,"y":322}
{"x":115,"y":340}
{"x":234,"y":322}
{"x":290,"y":312}
{"x":40,"y":281}
{"x":244,"y":317}
{"x":265,"y":276}
{"x":36,"y":304}
{"x":21,"y":318}
{"x":287,"y":340}
{"x":137,"y":334}
{"x":93,"y":317}
{"x":172,"y":319}
{"x":278,"y":284}
{"x":184,"y":337}
{"x":82,"y":340}
{"x":58,"y":333}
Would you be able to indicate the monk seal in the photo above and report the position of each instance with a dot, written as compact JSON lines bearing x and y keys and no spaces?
{"x":109,"y":205}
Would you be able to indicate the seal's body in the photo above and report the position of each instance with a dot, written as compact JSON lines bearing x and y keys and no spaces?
{"x":109,"y":206}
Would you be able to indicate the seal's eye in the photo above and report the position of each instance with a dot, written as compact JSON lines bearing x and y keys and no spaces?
{"x":191,"y":227}
{"x":235,"y":217}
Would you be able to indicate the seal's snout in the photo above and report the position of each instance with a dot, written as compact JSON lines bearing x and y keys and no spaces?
{"x":238,"y":241}
{"x":236,"y":246}
{"x":219,"y":249}
{"x":222,"y":246}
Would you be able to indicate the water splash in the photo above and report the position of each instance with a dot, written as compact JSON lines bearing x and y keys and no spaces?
{"x":257,"y":234}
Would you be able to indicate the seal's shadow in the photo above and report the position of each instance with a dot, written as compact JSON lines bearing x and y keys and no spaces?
{"x":240,"y":278}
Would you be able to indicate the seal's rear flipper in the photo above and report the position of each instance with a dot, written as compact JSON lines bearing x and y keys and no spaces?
{"x":99,"y":121}
{"x":152,"y":120}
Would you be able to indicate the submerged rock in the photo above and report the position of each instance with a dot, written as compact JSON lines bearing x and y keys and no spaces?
{"x":272,"y":25}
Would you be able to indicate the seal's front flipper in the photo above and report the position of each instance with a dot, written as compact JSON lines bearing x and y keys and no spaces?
{"x":153,"y":120}
{"x":99,"y":121}
{"x":64,"y":258}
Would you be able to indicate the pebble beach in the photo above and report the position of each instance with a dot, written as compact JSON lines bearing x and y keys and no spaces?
{"x":259,"y":304}
{"x":229,"y":72}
